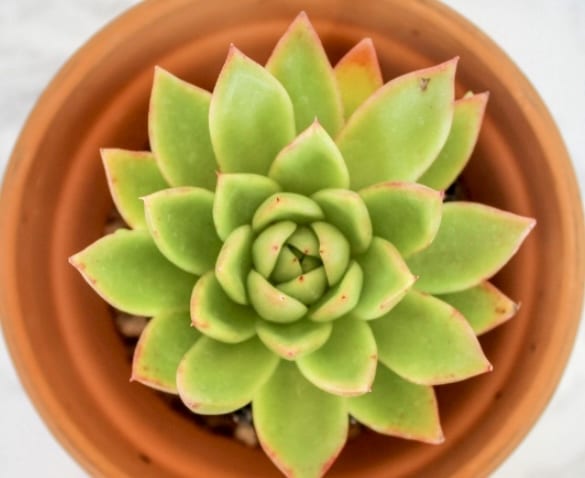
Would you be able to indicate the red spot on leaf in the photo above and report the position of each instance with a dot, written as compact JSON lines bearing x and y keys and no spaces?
{"x":301,"y":278}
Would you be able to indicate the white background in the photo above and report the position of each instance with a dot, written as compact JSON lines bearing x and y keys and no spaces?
{"x":545,"y":38}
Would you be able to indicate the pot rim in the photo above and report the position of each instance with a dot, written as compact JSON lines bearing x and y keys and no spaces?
{"x":104,"y":43}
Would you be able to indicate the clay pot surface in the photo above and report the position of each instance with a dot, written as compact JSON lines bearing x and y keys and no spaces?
{"x":55,"y":202}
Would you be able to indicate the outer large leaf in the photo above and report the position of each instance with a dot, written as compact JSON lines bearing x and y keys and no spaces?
{"x":346,"y":364}
{"x":236,"y":199}
{"x":406,"y":214}
{"x":306,"y":446}
{"x":271,"y":303}
{"x":286,"y":207}
{"x":484,"y":306}
{"x":234,"y":263}
{"x":346,"y":211}
{"x":358,"y":75}
{"x":129,"y":272}
{"x":310,"y":163}
{"x":386,"y":279}
{"x":131,"y":175}
{"x":427,"y":341}
{"x":179,"y":131}
{"x":399,"y":408}
{"x":301,"y":65}
{"x":291,"y":341}
{"x":398,"y":132}
{"x":162,"y":345}
{"x":181,"y":223}
{"x":467,"y":119}
{"x":474,"y":242}
{"x":215,"y":378}
{"x":218,"y":317}
{"x":250,"y":118}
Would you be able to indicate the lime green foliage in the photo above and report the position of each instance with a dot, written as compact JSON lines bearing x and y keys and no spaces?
{"x":286,"y":254}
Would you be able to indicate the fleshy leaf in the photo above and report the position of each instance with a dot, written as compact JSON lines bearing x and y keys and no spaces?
{"x":129,"y":272}
{"x":426,"y":341}
{"x":309,"y":263}
{"x":218,"y":317}
{"x":234,"y":263}
{"x":307,"y":288}
{"x":386,"y":279}
{"x":131,"y":175}
{"x":300,"y":63}
{"x":346,"y":363}
{"x":467,"y":119}
{"x":178,"y":129}
{"x":250,"y":118}
{"x":340,"y":299}
{"x":305,"y":241}
{"x":398,"y":132}
{"x":474,"y":242}
{"x":286,"y":206}
{"x":346,"y":211}
{"x":268,"y":244}
{"x":181,"y":223}
{"x":399,"y":408}
{"x":291,"y":341}
{"x":484,"y":306}
{"x":236,"y":199}
{"x":333,"y":250}
{"x":162,"y":345}
{"x":287,"y":266}
{"x":310,"y":163}
{"x":215,"y":378}
{"x":358,"y":75}
{"x":271,"y":303}
{"x":406,"y":214}
{"x":293,"y":445}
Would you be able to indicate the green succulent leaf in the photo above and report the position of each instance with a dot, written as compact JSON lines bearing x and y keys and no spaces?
{"x":181,"y":223}
{"x":286,"y":206}
{"x":347,"y":211}
{"x":340,"y":299}
{"x":467,"y":119}
{"x":333,"y":250}
{"x":398,"y":132}
{"x":218,"y":317}
{"x":131,"y":175}
{"x":426,"y":341}
{"x":386,"y":279}
{"x":179,"y":131}
{"x":268,"y":245}
{"x":236,"y":199}
{"x":128,"y":271}
{"x":215,"y":378}
{"x":251,"y":116}
{"x":305,"y":241}
{"x":309,"y":263}
{"x":474,"y":242}
{"x":310,"y":163}
{"x":406,"y":214}
{"x":307,"y":288}
{"x":291,"y":341}
{"x":293,"y":445}
{"x":399,"y":408}
{"x":234,"y":263}
{"x":162,"y":345}
{"x":484,"y":306}
{"x":271,"y":303}
{"x":346,"y":363}
{"x":287,"y":267}
{"x":300,"y":63}
{"x":358,"y":75}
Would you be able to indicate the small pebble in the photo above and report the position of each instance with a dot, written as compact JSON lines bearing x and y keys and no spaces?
{"x":130,"y":326}
{"x":246,"y":434}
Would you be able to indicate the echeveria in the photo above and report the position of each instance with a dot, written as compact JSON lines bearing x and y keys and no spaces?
{"x":288,"y":245}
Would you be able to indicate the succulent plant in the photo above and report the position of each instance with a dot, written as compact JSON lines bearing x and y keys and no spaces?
{"x":288,"y":237}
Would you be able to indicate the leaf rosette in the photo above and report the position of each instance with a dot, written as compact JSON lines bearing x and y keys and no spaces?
{"x":289,"y":239}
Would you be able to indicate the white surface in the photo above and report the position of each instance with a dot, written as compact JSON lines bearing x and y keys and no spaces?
{"x":545,"y":38}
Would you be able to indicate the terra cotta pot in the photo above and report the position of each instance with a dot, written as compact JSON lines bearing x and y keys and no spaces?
{"x":55,"y":201}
